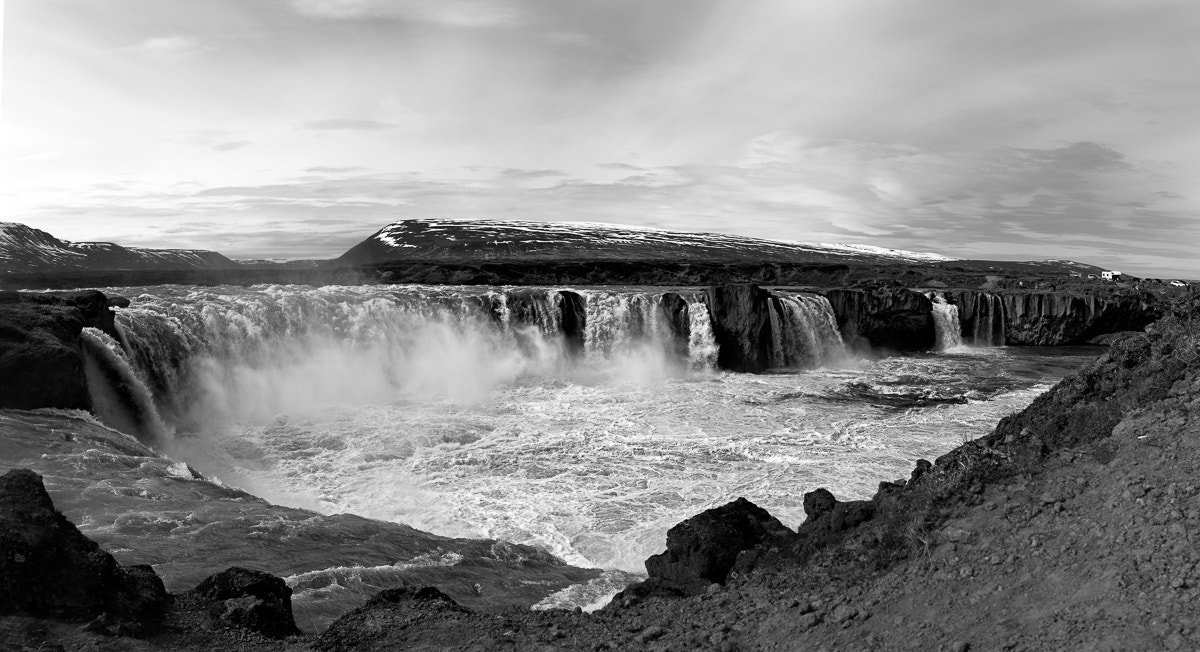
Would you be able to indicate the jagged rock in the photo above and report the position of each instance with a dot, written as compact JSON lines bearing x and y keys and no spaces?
{"x":250,"y":599}
{"x":741,"y":326}
{"x":818,"y":503}
{"x":702,"y":550}
{"x":825,"y":512}
{"x":49,"y":569}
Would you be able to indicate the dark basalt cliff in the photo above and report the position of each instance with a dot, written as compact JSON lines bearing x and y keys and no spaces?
{"x":741,"y":326}
{"x":41,"y":354}
{"x":1025,"y":318}
{"x":894,"y":319}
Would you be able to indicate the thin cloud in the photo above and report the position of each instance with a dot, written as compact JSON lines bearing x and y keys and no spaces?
{"x":455,"y":13}
{"x":166,"y":48}
{"x":338,"y":124}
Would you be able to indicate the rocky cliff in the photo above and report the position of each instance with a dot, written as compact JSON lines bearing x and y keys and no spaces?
{"x":41,"y":352}
{"x":1023,"y":318}
{"x":741,"y":325}
{"x":889,"y":318}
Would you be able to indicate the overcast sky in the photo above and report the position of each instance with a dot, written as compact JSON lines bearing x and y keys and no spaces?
{"x":1020,"y":129}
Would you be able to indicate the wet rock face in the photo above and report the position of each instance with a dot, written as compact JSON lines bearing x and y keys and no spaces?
{"x":703,"y":549}
{"x":894,"y":319}
{"x":250,"y":599}
{"x":741,"y":326}
{"x":49,"y":569}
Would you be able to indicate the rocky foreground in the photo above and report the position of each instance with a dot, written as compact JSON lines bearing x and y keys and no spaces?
{"x":1073,"y":525}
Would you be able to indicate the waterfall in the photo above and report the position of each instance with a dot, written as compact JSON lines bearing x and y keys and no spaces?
{"x":213,"y":356}
{"x":945,"y":321}
{"x":804,"y":331}
{"x":702,"y":343}
{"x":619,"y":323}
{"x":989,"y":320}
{"x":119,"y":397}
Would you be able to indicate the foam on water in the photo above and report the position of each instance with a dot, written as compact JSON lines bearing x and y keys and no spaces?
{"x":596,"y":473}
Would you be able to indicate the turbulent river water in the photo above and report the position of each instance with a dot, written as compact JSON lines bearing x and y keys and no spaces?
{"x":474,"y":412}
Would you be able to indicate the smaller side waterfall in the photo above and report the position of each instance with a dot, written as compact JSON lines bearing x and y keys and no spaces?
{"x":989,"y":320}
{"x":945,"y":321}
{"x":702,"y":343}
{"x":119,"y":398}
{"x":804,"y":331}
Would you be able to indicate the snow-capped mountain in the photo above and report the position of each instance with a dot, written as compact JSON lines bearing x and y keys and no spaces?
{"x":447,"y":240}
{"x":26,"y":249}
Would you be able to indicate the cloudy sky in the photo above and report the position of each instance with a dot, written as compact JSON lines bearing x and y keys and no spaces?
{"x":294,"y":128}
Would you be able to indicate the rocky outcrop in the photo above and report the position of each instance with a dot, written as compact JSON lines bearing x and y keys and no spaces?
{"x":249,"y":599}
{"x":741,"y":326}
{"x":41,"y":354}
{"x":702,"y":550}
{"x":888,"y":318}
{"x":49,"y":569}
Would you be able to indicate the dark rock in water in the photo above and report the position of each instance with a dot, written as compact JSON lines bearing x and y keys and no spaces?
{"x":250,"y":599}
{"x":895,"y":319}
{"x":117,"y":301}
{"x":49,"y":569}
{"x":574,"y":321}
{"x":741,"y":326}
{"x":702,"y":550}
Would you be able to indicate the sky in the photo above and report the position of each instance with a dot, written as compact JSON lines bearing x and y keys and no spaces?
{"x":1022,"y":129}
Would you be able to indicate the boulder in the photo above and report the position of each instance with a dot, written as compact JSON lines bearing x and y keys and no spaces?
{"x":49,"y":569}
{"x":249,"y":599}
{"x":702,"y":550}
{"x":825,"y":513}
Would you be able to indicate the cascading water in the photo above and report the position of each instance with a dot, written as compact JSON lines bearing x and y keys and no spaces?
{"x":989,"y":320}
{"x":804,"y":331}
{"x":119,"y":397}
{"x":945,"y":321}
{"x":702,"y":343}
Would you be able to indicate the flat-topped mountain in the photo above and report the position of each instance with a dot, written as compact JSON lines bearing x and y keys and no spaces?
{"x":25,"y":249}
{"x":454,"y":241}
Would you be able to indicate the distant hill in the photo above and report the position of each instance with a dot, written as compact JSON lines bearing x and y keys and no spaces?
{"x":495,"y":241}
{"x":26,"y":249}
